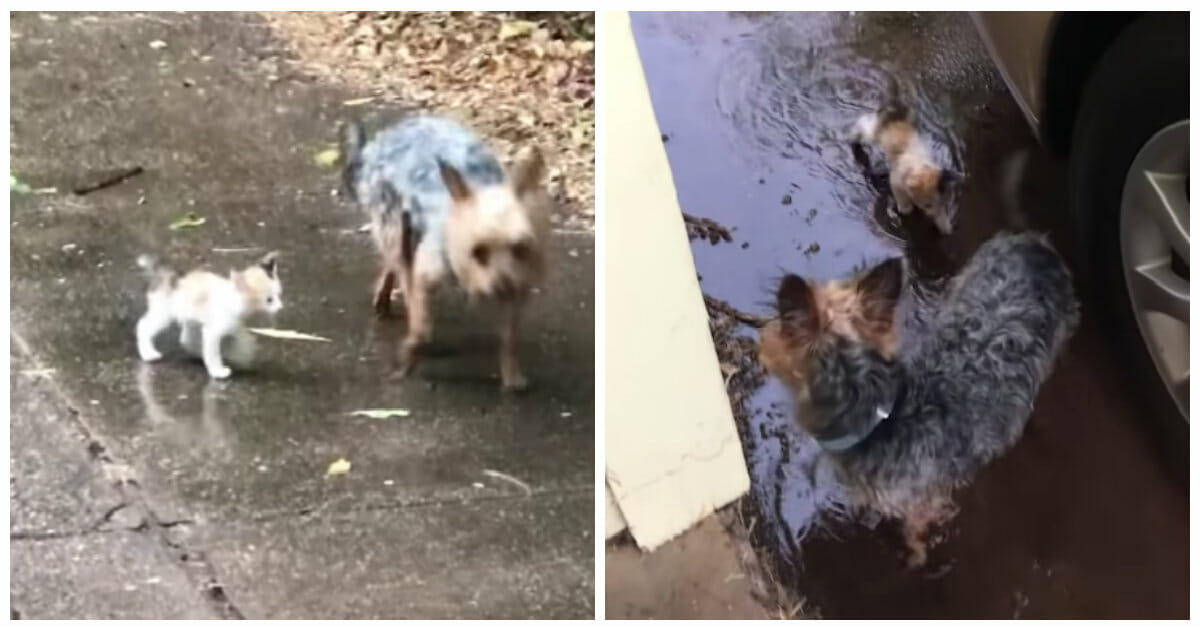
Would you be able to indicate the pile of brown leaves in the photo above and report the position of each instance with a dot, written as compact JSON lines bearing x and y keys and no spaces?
{"x":519,"y":78}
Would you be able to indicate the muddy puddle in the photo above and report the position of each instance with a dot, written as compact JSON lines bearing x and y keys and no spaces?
{"x":754,"y":110}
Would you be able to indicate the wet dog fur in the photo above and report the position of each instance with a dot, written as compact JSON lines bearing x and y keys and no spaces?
{"x":954,"y":401}
{"x":914,"y":178}
{"x":441,"y":204}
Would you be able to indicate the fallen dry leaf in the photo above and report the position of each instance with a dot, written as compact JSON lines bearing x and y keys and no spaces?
{"x":286,"y":334}
{"x":338,"y":467}
{"x":381,"y":414}
{"x":189,"y":220}
{"x":515,"y":28}
{"x":328,"y":157}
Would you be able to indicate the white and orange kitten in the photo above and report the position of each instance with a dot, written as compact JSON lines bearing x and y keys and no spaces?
{"x":208,"y":308}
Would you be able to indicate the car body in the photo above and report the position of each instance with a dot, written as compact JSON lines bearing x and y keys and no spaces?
{"x":1109,"y":93}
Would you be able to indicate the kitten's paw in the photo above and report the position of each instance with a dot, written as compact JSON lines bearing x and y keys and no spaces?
{"x":222,"y":372}
{"x":515,"y":384}
{"x":150,"y":356}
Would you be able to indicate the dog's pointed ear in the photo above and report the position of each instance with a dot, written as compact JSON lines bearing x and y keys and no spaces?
{"x":527,"y":170}
{"x":948,"y":179}
{"x":880,"y":288}
{"x":797,"y":305}
{"x":270,"y":263}
{"x":455,"y":184}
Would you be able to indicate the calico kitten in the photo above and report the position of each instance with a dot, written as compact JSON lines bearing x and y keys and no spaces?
{"x":208,"y":309}
{"x":914,"y":177}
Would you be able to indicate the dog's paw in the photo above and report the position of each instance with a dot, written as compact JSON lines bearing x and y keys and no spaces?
{"x":382,"y":304}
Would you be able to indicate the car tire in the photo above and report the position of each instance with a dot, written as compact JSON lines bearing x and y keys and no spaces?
{"x":1139,"y":87}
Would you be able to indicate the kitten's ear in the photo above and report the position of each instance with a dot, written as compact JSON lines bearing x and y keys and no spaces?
{"x":388,"y":195}
{"x":527,"y":170}
{"x":880,"y":287}
{"x":797,"y":305}
{"x":948,"y":179}
{"x":459,"y":191}
{"x":270,"y":263}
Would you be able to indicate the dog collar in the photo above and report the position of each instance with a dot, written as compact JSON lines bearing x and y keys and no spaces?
{"x":850,"y":440}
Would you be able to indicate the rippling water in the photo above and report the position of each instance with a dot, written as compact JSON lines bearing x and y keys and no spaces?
{"x":756,"y":109}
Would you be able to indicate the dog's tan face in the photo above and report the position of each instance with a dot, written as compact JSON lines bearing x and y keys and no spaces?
{"x":861,"y":308}
{"x":496,"y":236}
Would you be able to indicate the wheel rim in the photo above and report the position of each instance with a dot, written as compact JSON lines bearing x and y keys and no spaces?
{"x":1155,"y":237}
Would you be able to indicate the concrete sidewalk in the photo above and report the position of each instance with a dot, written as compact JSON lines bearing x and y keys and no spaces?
{"x":145,"y":491}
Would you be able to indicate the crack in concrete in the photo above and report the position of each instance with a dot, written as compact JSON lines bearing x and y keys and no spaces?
{"x":314,"y":511}
{"x":199,"y":570}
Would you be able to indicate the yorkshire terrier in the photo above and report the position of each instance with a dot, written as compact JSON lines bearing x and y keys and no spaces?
{"x":441,"y":203}
{"x":915,"y":179}
{"x":904,"y":429}
{"x":209,"y":309}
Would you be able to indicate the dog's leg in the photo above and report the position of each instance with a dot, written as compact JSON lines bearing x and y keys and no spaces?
{"x":918,"y":520}
{"x":383,"y":291}
{"x":422,"y":281}
{"x":511,"y":378}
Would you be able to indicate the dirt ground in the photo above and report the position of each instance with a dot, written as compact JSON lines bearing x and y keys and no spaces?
{"x":536,"y":71}
{"x":708,"y":572}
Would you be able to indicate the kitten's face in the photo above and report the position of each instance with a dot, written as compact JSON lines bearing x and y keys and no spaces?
{"x":496,"y":236}
{"x":860,"y":309}
{"x":260,"y":285}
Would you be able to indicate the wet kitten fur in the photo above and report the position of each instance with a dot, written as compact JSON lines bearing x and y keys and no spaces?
{"x":957,"y":399}
{"x":208,"y":309}
{"x":915,"y":179}
{"x":441,"y":204}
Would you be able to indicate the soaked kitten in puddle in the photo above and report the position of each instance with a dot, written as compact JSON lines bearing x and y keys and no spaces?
{"x":209,"y":309}
{"x":442,"y":205}
{"x":903,"y":430}
{"x":914,"y":178}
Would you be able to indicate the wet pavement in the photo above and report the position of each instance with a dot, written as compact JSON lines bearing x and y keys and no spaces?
{"x":227,"y":509}
{"x":1086,"y":517}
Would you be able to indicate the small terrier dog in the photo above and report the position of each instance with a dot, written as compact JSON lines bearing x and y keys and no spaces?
{"x":440,"y":202}
{"x":208,"y":309}
{"x":915,"y":179}
{"x":904,"y":431}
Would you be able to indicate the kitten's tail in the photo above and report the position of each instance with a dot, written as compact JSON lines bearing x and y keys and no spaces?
{"x":353,"y":139}
{"x":894,"y":108}
{"x":156,"y":274}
